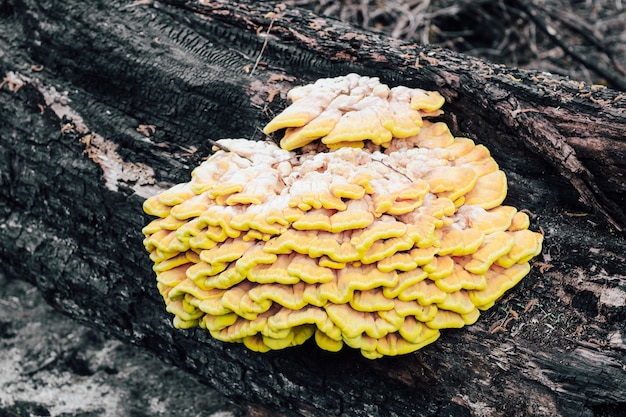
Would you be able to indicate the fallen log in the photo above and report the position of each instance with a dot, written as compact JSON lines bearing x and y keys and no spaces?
{"x":107,"y":103}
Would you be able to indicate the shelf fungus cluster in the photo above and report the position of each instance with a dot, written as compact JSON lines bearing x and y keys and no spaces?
{"x":369,"y":226}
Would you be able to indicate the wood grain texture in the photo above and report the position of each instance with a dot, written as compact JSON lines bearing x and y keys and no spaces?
{"x":75,"y":168}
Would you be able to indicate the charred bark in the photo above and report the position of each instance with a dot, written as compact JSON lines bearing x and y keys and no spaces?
{"x":106,"y":103}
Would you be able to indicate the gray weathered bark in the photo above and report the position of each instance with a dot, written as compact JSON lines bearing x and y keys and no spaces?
{"x":84,"y":80}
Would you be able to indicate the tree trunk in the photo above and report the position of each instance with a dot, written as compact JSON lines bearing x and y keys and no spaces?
{"x":106,"y":103}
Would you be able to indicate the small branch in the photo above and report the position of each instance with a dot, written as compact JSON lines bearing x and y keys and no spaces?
{"x":393,"y":169}
{"x":267,"y":36}
{"x":225,"y":149}
{"x":612,"y":78}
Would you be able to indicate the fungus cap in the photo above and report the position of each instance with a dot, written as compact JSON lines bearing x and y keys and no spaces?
{"x":371,"y":226}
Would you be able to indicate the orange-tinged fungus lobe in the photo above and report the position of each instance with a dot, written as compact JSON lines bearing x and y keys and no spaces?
{"x":381,"y":230}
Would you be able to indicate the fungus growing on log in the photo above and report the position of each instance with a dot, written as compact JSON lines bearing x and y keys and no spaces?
{"x":370,"y":226}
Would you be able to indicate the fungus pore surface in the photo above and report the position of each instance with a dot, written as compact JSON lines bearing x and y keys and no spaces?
{"x":369,"y":226}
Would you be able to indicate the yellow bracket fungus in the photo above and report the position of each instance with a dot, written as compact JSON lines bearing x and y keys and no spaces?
{"x":369,"y":226}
